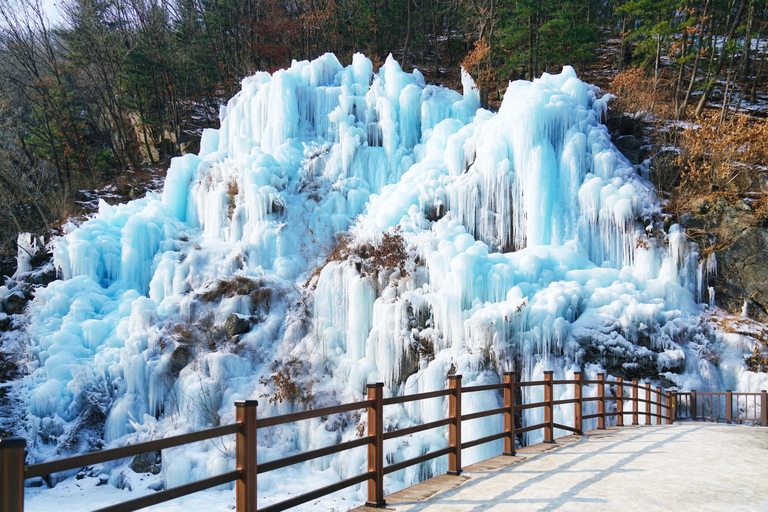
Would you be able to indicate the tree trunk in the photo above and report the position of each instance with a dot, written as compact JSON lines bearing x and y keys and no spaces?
{"x":681,"y":111}
{"x":721,"y":61}
{"x":744,"y":67}
{"x":407,"y":35}
{"x":724,"y":110}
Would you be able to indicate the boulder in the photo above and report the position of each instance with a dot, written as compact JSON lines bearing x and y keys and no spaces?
{"x":180,"y":357}
{"x":631,"y":147}
{"x":147,"y":463}
{"x":237,"y":324}
{"x":14,"y":304}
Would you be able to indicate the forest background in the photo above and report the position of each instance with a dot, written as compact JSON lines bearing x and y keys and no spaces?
{"x":100,"y":94}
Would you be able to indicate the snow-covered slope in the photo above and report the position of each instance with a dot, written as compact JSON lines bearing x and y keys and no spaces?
{"x":344,"y":227}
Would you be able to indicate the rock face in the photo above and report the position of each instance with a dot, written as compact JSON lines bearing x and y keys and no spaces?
{"x":237,"y":324}
{"x":740,"y":244}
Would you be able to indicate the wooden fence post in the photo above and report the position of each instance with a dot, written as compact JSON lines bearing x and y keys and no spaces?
{"x":658,"y":405}
{"x":694,"y":409}
{"x":619,"y":402}
{"x":577,"y":409}
{"x":12,"y":474}
{"x":728,"y":407}
{"x":634,"y":402}
{"x":454,"y":435}
{"x":549,"y":430}
{"x":764,"y":408}
{"x":245,"y":452}
{"x":670,"y":408}
{"x":601,"y":401}
{"x":509,"y":413}
{"x":376,"y":448}
{"x":647,"y":403}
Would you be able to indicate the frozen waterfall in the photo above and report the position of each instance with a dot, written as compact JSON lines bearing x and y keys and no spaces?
{"x":362,"y":227}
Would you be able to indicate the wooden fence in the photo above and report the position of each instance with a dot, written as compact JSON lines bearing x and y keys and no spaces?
{"x":729,"y":407}
{"x":626,"y":396}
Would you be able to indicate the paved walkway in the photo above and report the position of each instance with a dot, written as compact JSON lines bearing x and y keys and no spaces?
{"x":683,"y":467}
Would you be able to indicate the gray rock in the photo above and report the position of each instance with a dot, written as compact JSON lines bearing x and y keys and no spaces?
{"x":179,"y":359}
{"x":15,"y":303}
{"x":237,"y":324}
{"x":120,"y":481}
{"x":665,"y":172}
{"x":34,"y":482}
{"x":631,"y":147}
{"x":157,"y":486}
{"x":5,"y":322}
{"x":147,"y":463}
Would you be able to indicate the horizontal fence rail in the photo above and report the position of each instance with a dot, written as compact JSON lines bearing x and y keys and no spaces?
{"x":729,"y":407}
{"x":623,"y":397}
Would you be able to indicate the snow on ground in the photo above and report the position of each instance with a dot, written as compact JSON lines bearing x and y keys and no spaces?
{"x":90,"y":493}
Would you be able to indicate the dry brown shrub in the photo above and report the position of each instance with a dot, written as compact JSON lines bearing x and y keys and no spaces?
{"x":289,"y":382}
{"x":476,"y":63}
{"x":758,"y":361}
{"x":635,"y":93}
{"x":761,"y":211}
{"x":261,"y":295}
{"x":232,"y":191}
{"x":723,"y":157}
{"x":370,"y":258}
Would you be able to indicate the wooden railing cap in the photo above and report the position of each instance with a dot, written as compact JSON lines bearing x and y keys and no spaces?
{"x":13,"y":442}
{"x":246,"y":403}
{"x":375,"y":385}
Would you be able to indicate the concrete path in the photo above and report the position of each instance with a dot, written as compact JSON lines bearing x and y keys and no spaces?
{"x":683,"y":467}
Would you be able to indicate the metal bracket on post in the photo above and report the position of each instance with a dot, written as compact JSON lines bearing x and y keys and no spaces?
{"x":12,"y":474}
{"x":619,"y":402}
{"x":454,"y":435}
{"x":245,"y":453}
{"x":549,"y":430}
{"x":376,"y":448}
{"x":577,"y":407}
{"x":635,"y":402}
{"x":601,"y":401}
{"x":509,"y":413}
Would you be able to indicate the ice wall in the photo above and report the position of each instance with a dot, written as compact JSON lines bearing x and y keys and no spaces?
{"x":527,"y":242}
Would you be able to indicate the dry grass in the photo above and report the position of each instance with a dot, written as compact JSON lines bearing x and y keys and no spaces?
{"x":370,"y":258}
{"x":635,"y":92}
{"x":261,"y":295}
{"x":289,"y":382}
{"x":723,"y":157}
